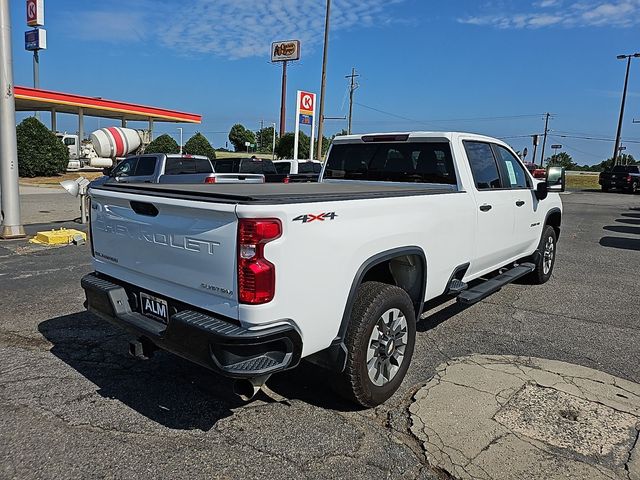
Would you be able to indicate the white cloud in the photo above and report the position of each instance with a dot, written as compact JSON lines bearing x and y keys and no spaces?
{"x":246,"y":28}
{"x":228,"y":28}
{"x":581,"y":13}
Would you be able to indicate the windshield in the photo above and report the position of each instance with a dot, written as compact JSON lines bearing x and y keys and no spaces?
{"x":421,"y":162}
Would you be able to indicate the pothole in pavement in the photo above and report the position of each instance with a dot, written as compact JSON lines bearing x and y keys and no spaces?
{"x":569,"y":422}
{"x":505,"y":417}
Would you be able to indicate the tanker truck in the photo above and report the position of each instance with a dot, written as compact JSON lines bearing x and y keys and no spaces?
{"x":104,"y":148}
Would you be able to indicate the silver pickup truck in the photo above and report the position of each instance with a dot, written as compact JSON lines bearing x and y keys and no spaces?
{"x":175,"y":168}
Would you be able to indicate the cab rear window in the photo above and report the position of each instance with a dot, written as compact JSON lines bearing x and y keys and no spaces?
{"x":417,"y":162}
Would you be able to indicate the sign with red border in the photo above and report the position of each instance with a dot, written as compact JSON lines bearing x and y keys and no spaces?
{"x":35,"y":13}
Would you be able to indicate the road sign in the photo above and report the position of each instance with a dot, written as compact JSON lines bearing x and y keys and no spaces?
{"x":556,"y":147}
{"x":305,"y":115}
{"x":622,"y":148}
{"x":307,"y":103}
{"x":285,"y":50}
{"x":35,"y":39}
{"x":35,"y":13}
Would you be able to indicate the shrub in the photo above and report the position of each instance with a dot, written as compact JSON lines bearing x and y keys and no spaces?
{"x":199,"y":145}
{"x":40,"y":152}
{"x":163,"y":144}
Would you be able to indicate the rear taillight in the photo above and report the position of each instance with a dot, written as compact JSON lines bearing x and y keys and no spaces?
{"x":628,"y":178}
{"x":89,"y":232}
{"x":256,"y":275}
{"x":286,"y":180}
{"x":210,"y":180}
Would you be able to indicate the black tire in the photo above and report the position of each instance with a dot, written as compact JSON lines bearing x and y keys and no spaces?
{"x":634,"y":188}
{"x":372,"y":300}
{"x":542,"y":273}
{"x":605,"y":189}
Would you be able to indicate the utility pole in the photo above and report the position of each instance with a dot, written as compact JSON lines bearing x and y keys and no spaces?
{"x":352,"y":87}
{"x":544,"y":139}
{"x":260,"y":137}
{"x":11,"y":226}
{"x":283,"y":99}
{"x":624,"y":100}
{"x":180,"y":128}
{"x":324,"y":79}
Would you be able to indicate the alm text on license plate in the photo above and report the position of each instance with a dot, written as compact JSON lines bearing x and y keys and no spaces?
{"x":154,"y":307}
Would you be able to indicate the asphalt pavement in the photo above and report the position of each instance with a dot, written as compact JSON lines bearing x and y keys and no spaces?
{"x":74,"y":404}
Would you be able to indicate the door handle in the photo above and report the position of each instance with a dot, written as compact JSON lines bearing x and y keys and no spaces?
{"x":519,"y":203}
{"x":485,"y":208}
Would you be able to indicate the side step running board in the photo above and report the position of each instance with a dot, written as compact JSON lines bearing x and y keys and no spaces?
{"x":486,"y":288}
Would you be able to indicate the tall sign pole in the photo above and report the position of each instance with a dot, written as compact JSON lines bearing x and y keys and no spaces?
{"x":283,"y":99}
{"x":11,"y":226}
{"x":284,"y":51}
{"x":323,"y":81}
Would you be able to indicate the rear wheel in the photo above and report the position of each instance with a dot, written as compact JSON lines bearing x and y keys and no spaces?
{"x":380,"y":341}
{"x":634,"y":187}
{"x":605,"y":189}
{"x":545,"y":258}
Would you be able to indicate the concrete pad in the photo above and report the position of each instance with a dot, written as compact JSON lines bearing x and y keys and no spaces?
{"x":495,"y":417}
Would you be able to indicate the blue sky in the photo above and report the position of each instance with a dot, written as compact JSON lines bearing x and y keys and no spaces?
{"x":491,"y":67}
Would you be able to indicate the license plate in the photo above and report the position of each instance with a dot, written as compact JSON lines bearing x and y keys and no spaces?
{"x":154,"y":307}
{"x":613,"y":176}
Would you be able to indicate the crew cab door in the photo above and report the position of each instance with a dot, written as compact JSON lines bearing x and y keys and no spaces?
{"x":494,"y":209}
{"x":526,"y":227}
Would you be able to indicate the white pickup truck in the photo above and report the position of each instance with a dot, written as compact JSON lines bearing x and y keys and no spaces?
{"x":222,"y":274}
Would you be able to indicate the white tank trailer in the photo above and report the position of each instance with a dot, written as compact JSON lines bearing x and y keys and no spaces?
{"x":106,"y":145}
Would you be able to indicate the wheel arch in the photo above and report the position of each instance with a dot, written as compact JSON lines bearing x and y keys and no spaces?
{"x":370,"y":271}
{"x":554,"y":218}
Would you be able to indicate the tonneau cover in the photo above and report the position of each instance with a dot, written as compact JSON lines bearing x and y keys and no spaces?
{"x":270,"y":193}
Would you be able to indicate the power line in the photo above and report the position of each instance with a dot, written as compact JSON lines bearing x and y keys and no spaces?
{"x":469,"y":119}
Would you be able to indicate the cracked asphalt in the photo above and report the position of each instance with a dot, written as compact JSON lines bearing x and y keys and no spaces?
{"x":74,"y":404}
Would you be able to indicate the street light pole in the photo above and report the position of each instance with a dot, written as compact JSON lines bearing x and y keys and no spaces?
{"x":273,"y":145}
{"x":324,"y":80}
{"x":624,"y":100}
{"x":180,"y":128}
{"x":11,"y":226}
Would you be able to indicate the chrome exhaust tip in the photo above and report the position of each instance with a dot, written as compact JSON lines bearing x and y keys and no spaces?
{"x":247,"y":388}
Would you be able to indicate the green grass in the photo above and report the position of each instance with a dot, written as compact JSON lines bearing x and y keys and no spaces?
{"x":582,"y":182}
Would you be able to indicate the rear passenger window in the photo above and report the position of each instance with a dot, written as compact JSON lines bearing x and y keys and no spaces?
{"x":283,"y":167}
{"x":513,"y":170}
{"x":203,"y":166}
{"x":180,"y":166}
{"x":146,"y":166}
{"x":483,"y":165}
{"x":224,"y":166}
{"x":305,"y":167}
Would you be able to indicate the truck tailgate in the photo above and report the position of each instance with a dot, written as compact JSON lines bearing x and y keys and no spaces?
{"x":179,"y":249}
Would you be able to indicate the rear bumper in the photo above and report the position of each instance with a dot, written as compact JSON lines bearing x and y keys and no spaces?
{"x":205,"y":339}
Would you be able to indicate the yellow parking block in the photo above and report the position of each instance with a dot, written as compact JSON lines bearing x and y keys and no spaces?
{"x":64,"y":236}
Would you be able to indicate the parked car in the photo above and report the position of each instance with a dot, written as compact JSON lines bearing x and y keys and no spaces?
{"x":221,"y":275}
{"x":536,"y":171}
{"x":621,"y":177}
{"x":253,"y":165}
{"x":299,"y":170}
{"x":174,"y":168}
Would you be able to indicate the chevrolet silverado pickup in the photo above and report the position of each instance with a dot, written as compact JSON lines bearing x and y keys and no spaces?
{"x":219,"y":275}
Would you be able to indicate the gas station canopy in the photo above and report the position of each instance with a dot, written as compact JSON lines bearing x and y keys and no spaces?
{"x":35,"y":99}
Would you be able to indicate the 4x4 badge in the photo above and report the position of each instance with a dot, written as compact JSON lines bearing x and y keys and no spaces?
{"x":310,"y":217}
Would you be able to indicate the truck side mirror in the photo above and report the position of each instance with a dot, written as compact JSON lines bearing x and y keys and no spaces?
{"x":542,"y":190}
{"x":556,"y":180}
